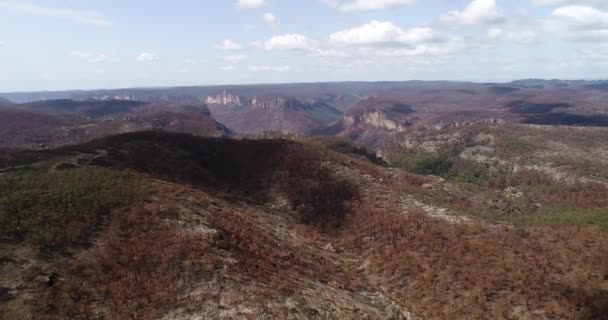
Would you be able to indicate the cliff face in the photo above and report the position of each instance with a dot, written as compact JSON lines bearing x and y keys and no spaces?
{"x":256,"y":103}
{"x":224,"y":98}
{"x":260,"y":114}
{"x":373,"y":122}
{"x":376,"y":119}
{"x":269,"y":102}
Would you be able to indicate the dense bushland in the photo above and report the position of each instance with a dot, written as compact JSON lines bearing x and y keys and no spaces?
{"x":222,"y":164}
{"x":141,"y":266}
{"x":497,"y":192}
{"x":314,"y":190}
{"x":345,"y":146}
{"x":189,"y":246}
{"x":60,"y":208}
{"x":431,"y":163}
{"x":470,"y":271}
{"x":250,"y":169}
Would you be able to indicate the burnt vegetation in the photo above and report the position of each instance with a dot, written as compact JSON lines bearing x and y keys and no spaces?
{"x":524,"y":107}
{"x":89,"y":108}
{"x":568,"y":119}
{"x":503,"y":89}
{"x":248,"y":169}
{"x":181,"y":222}
{"x":56,"y":210}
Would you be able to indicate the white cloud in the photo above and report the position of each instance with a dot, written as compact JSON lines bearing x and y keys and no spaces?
{"x":330,"y":3}
{"x":551,"y":2}
{"x":227,"y":68}
{"x":91,"y":57}
{"x":495,"y":33}
{"x":477,"y":12}
{"x":595,"y":54}
{"x":280,"y":69}
{"x":228,"y":44}
{"x":519,"y":36}
{"x":296,"y":42}
{"x":289,"y":42}
{"x":378,"y":33}
{"x":580,"y":23}
{"x":582,"y":17}
{"x":179,"y":70}
{"x":330,"y":53}
{"x":147,"y":57}
{"x":235,"y":58}
{"x":425,"y":52}
{"x":567,"y":2}
{"x":270,"y":18}
{"x":75,"y":15}
{"x":358,"y":5}
{"x":194,"y":62}
{"x":250,"y":4}
{"x":380,"y":42}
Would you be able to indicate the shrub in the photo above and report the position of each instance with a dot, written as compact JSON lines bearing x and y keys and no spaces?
{"x":471,"y":172}
{"x":238,"y":166}
{"x":430,"y":163}
{"x":346,"y":146}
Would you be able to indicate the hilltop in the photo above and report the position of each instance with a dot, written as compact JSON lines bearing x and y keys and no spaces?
{"x":275,"y":228}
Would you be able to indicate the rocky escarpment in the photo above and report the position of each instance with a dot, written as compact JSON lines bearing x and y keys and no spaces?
{"x":267,"y":102}
{"x":270,"y":102}
{"x":271,"y":113}
{"x":381,"y":114}
{"x":224,"y":98}
{"x":461,"y":124}
{"x":373,"y":122}
{"x":376,"y":119}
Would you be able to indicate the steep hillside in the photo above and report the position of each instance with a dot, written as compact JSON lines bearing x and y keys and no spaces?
{"x":373,"y":121}
{"x":172,"y":226}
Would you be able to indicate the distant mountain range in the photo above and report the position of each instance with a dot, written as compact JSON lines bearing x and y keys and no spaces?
{"x":371,"y":113}
{"x":52,"y":123}
{"x":329,"y":89}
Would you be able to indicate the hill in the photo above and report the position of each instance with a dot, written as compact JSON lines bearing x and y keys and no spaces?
{"x":88,"y":108}
{"x":54,"y":123}
{"x":179,"y":226}
{"x":21,"y":128}
{"x":4,"y":101}
{"x":309,"y":108}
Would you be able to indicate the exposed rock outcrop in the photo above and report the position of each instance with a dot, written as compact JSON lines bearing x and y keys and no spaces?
{"x":224,"y":98}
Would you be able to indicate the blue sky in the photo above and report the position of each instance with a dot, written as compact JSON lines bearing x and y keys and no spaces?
{"x":77,"y":44}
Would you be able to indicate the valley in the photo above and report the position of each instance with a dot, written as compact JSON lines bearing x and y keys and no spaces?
{"x":405,"y":200}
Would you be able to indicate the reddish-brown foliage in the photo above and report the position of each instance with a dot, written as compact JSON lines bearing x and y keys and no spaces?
{"x":141,"y":266}
{"x":471,"y":271}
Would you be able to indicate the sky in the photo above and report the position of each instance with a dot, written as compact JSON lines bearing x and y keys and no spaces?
{"x":78,"y":44}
